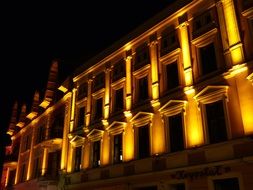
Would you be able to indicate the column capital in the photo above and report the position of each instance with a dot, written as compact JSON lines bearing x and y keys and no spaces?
{"x":128,"y":55}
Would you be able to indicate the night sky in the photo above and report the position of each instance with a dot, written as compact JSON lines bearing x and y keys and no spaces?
{"x":34,"y":33}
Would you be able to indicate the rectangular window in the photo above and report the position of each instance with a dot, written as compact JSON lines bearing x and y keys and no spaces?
{"x":56,"y":130}
{"x":208,"y":59}
{"x":81,"y":117}
{"x":143,"y":142}
{"x":119,"y":70}
{"x":141,"y":56}
{"x":22,"y":173}
{"x":176,"y":134}
{"x":99,"y":82}
{"x":78,"y":158}
{"x":179,"y":186}
{"x":11,"y":178}
{"x":172,"y":75}
{"x":169,"y":41}
{"x":40,"y":134}
{"x":53,"y":166}
{"x":82,"y":91}
{"x":98,"y":109}
{"x":143,"y":89}
{"x":119,"y":100}
{"x":216,"y":122}
{"x":96,"y":154}
{"x":226,"y":184}
{"x":117,"y":148}
{"x":36,"y":168}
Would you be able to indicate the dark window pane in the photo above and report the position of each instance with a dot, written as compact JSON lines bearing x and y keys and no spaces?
{"x":98,"y":109}
{"x":96,"y":153}
{"x":143,"y":144}
{"x":141,"y":57}
{"x":208,"y":59}
{"x":56,"y":130}
{"x":53,"y":165}
{"x":82,"y":91}
{"x":143,"y":89}
{"x":172,"y":76}
{"x":81,"y":117}
{"x":216,"y":122}
{"x":119,"y":101}
{"x":23,"y":173}
{"x":78,"y":157}
{"x":119,"y":70}
{"x":36,"y":168}
{"x":99,"y":82}
{"x":11,"y":179}
{"x":40,"y":134}
{"x":176,"y":133}
{"x":117,"y":153}
{"x":226,"y":184}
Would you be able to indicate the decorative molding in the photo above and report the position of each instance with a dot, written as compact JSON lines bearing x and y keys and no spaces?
{"x":173,"y":107}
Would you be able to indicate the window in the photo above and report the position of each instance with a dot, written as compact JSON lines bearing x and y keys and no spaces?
{"x":203,"y":23}
{"x":172,"y":75}
{"x":11,"y":178}
{"x":169,"y":41}
{"x":117,"y":148}
{"x":143,"y":142}
{"x":119,"y":70}
{"x":99,"y":82}
{"x":247,"y":4}
{"x":179,"y":186}
{"x":53,"y":166}
{"x":119,"y":100}
{"x":22,"y":173}
{"x":26,"y":142}
{"x":81,"y":114}
{"x":216,"y":122}
{"x":82,"y":91}
{"x":98,"y":109}
{"x":96,"y":154}
{"x":141,"y":57}
{"x":176,"y":135}
{"x":40,"y":134}
{"x":78,"y":158}
{"x":36,"y":168}
{"x":143,"y":88}
{"x":56,"y":130}
{"x":226,"y":184}
{"x":208,"y":59}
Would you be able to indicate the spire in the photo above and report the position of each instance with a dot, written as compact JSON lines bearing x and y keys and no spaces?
{"x":34,"y":109}
{"x":13,"y":120}
{"x":21,"y":121}
{"x":51,"y":84}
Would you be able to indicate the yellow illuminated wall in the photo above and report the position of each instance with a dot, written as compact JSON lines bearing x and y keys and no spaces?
{"x":128,"y":143}
{"x":158,"y":135}
{"x":105,"y":157}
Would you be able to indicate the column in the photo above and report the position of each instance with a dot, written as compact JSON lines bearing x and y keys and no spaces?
{"x":128,"y":102}
{"x":107,"y":96}
{"x":88,"y":107}
{"x":234,"y":40}
{"x":154,"y":70}
{"x":183,"y":31}
{"x":31,"y":156}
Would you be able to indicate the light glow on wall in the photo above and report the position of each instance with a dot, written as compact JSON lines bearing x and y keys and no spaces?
{"x":128,"y":143}
{"x":158,"y":138}
{"x":106,"y":149}
{"x":188,"y":77}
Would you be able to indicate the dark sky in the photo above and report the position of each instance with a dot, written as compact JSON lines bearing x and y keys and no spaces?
{"x":34,"y":33}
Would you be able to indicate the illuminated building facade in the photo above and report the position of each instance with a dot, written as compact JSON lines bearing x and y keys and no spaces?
{"x":170,"y":106}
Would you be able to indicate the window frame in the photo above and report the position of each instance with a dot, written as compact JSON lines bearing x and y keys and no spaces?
{"x":172,"y":108}
{"x":212,"y":94}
